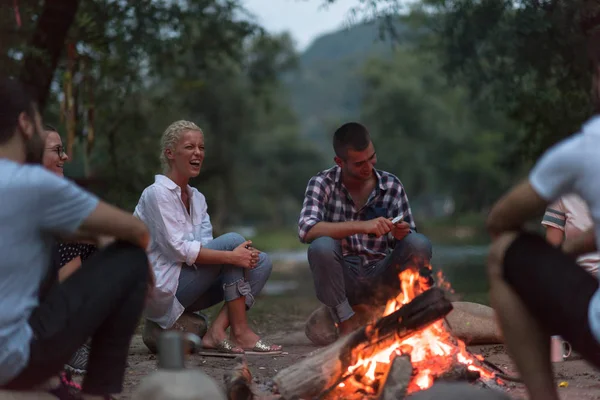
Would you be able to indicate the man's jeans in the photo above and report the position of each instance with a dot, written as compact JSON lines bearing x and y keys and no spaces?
{"x":342,"y":281}
{"x":103,"y":300}
{"x":206,"y":285}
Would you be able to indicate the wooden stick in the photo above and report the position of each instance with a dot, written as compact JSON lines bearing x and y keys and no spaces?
{"x":238,"y":381}
{"x":321,"y":369}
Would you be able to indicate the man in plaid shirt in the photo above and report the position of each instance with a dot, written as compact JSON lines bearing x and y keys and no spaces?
{"x":356,"y":252}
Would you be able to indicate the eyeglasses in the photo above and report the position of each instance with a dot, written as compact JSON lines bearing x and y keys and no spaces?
{"x":60,"y":150}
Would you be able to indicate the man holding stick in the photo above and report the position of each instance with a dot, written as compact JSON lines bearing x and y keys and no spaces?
{"x":361,"y":231}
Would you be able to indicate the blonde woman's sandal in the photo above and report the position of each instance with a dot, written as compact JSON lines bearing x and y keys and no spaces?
{"x":263,"y":348}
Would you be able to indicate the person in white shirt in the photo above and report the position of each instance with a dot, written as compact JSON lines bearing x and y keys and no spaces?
{"x":194,"y":271}
{"x":567,"y":218}
{"x":537,"y":289}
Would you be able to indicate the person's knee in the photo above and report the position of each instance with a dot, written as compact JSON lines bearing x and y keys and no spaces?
{"x":233,"y":239}
{"x":419,"y":244}
{"x":126,"y":256}
{"x":495,"y":261}
{"x":322,"y":250}
{"x":265,"y":264}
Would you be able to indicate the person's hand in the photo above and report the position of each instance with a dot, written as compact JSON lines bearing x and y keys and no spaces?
{"x":400,"y":230}
{"x":245,"y":255}
{"x":103,"y":241}
{"x":377,"y":227}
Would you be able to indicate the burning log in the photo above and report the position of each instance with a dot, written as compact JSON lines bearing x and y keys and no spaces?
{"x":238,"y":381}
{"x":321,"y":371}
{"x":396,"y":383}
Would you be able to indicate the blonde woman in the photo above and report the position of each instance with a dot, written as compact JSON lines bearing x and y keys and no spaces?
{"x":194,"y":271}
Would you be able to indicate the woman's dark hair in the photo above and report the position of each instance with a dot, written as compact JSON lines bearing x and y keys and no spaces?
{"x":48,"y":127}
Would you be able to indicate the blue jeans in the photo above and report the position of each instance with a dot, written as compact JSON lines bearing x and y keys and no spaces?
{"x":343,"y":281}
{"x":205,"y":285}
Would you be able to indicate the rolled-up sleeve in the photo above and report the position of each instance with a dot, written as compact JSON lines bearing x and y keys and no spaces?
{"x":160,"y":213}
{"x":313,"y":206}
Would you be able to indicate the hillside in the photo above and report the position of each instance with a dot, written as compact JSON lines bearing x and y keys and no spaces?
{"x":326,"y":88}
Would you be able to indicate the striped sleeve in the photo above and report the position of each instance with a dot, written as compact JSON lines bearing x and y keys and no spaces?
{"x":555,"y":216}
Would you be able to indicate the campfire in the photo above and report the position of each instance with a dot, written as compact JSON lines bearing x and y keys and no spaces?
{"x":404,"y":351}
{"x":434,"y":352}
{"x":408,"y":348}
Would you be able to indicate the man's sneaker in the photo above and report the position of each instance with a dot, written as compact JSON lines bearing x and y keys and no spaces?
{"x":78,"y":362}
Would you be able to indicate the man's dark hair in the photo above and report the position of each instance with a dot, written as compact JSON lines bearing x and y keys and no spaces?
{"x":351,"y":135}
{"x":51,"y":128}
{"x":14,"y":100}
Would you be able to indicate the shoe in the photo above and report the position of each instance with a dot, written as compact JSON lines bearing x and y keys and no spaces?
{"x":67,"y":389}
{"x":78,"y":362}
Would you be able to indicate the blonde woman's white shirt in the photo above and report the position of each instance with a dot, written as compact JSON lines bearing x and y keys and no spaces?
{"x":177,"y":237}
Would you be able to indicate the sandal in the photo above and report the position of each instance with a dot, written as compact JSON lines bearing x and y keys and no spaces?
{"x":262,"y":347}
{"x":225,"y":346}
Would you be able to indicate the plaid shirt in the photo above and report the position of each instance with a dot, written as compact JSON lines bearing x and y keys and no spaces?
{"x":327,"y":200}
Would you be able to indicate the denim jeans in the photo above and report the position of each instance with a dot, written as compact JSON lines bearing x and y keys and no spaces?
{"x":343,"y":281}
{"x":205,"y":285}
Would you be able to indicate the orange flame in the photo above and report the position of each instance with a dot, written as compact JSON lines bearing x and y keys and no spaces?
{"x":432,"y":351}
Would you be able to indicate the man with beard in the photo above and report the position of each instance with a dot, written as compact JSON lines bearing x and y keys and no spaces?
{"x":102,"y":301}
{"x":361,"y":231}
{"x":537,"y":289}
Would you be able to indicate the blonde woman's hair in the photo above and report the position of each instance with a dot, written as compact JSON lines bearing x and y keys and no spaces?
{"x":171,"y":136}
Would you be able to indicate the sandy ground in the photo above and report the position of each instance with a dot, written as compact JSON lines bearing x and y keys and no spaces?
{"x":279,"y":316}
{"x":583,"y":381}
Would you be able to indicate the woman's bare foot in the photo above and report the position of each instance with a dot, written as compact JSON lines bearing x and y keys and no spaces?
{"x":247,"y":339}
{"x":214,"y":340}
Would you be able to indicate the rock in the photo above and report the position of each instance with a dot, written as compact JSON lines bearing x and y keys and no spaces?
{"x":188,"y":322}
{"x":474,"y":323}
{"x":320,"y":327}
{"x":187,"y":384}
{"x":457,"y":391}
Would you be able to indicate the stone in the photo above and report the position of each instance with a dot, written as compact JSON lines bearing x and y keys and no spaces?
{"x":320,"y":327}
{"x":458,"y":391}
{"x":195,"y":323}
{"x":474,"y":323}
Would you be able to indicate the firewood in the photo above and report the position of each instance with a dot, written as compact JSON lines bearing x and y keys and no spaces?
{"x":397,"y":380}
{"x":322,"y":369}
{"x":238,"y":382}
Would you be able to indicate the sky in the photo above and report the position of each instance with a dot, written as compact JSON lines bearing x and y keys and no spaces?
{"x":304,"y":19}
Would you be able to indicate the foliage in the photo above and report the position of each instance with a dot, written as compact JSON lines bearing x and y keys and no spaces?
{"x":153,"y":62}
{"x":431,"y":135}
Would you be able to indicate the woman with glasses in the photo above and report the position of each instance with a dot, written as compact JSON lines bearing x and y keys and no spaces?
{"x":68,"y":256}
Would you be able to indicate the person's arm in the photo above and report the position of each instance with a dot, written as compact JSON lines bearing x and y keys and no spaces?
{"x":555,"y":220}
{"x":581,"y":244}
{"x":69,"y":268}
{"x":160,"y":211}
{"x":513,"y":209}
{"x":65,"y":209}
{"x":311,"y":224}
{"x":554,"y":236}
{"x":554,"y":175}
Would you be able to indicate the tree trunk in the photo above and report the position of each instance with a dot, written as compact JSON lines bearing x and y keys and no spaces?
{"x":46,"y":47}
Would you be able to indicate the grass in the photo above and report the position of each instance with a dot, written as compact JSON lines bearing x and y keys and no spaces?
{"x":277,"y":239}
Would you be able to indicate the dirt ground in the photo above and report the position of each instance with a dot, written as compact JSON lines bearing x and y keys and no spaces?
{"x":279,"y":317}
